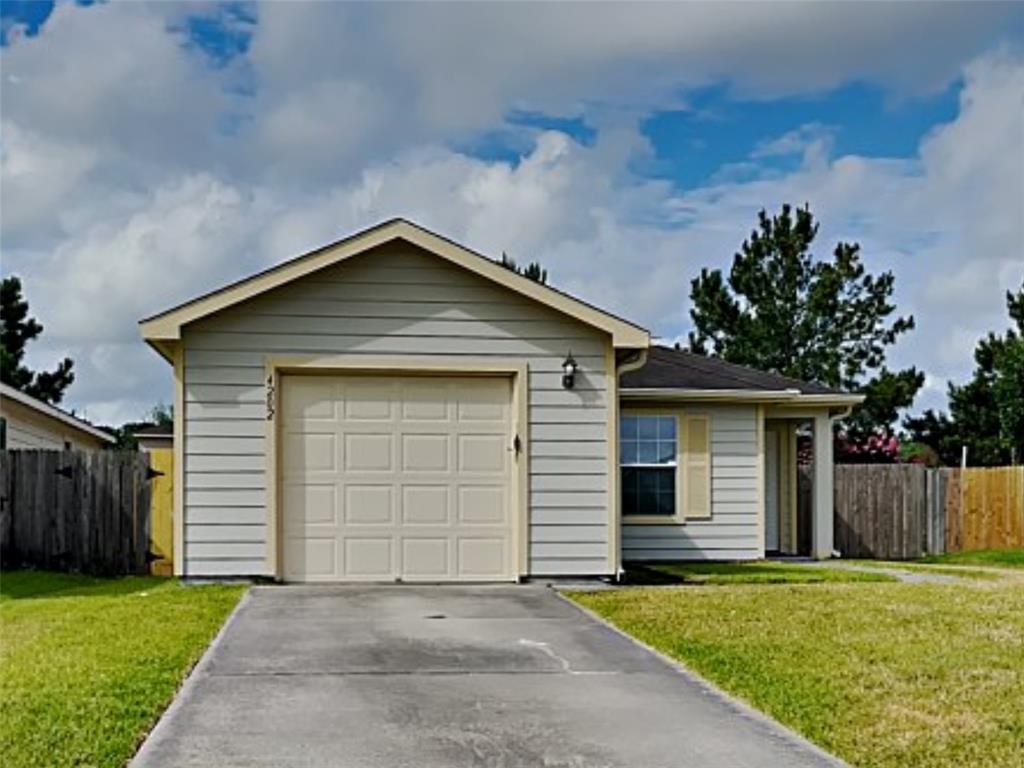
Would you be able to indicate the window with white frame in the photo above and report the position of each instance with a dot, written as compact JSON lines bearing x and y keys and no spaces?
{"x":648,"y":451}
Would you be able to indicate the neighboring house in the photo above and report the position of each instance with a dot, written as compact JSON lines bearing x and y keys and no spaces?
{"x":394,"y":406}
{"x":26,"y":422}
{"x":155,"y":437}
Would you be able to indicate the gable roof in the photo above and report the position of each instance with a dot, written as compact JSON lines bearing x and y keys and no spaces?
{"x":671,"y":370}
{"x":9,"y":392}
{"x":166,"y":326}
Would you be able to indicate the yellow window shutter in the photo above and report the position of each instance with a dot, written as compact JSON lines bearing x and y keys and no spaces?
{"x":697,"y":467}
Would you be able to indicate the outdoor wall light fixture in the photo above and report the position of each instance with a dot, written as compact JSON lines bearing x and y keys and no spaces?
{"x":569,"y":371}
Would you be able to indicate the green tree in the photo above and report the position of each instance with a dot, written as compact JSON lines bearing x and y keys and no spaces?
{"x":986,"y":414}
{"x":17,"y":328}
{"x":782,"y":310}
{"x":160,"y":414}
{"x":532,"y":271}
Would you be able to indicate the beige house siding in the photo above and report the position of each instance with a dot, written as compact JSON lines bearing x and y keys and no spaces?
{"x":30,"y":429}
{"x":396,"y":300}
{"x":734,"y":530}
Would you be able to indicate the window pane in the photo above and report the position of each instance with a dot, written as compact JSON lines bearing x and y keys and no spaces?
{"x":666,"y":452}
{"x":648,"y":491}
{"x":667,"y":428}
{"x":648,"y":453}
{"x":665,"y":503}
{"x":667,"y":482}
{"x":629,"y":498}
{"x":647,"y":481}
{"x":647,"y":440}
{"x":629,"y":480}
{"x":628,"y":452}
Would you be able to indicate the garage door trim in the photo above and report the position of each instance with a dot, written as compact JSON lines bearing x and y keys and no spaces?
{"x":338,"y":365}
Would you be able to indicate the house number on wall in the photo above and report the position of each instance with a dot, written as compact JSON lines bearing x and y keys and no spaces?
{"x":270,"y":397}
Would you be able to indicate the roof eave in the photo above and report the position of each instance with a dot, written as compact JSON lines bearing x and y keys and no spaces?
{"x":163,"y":347}
{"x":788,"y":396}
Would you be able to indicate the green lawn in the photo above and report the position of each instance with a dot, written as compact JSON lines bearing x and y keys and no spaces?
{"x":916,"y":566}
{"x":888,"y":675}
{"x":87,"y":665}
{"x":744,"y":573}
{"x":994,"y":558}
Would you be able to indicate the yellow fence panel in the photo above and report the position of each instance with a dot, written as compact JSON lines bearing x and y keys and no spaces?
{"x":162,"y":512}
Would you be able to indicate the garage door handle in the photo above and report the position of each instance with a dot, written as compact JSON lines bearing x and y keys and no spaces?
{"x":517,"y":445}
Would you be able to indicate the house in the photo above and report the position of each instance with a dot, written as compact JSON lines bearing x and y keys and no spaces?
{"x":155,"y":437}
{"x":26,"y":422}
{"x":395,"y":406}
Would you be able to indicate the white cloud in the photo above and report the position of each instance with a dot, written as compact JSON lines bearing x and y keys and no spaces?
{"x":124,"y":192}
{"x":37,"y":173}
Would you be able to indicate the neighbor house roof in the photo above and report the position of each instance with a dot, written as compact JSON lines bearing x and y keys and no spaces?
{"x":9,"y":392}
{"x":155,"y":430}
{"x":162,"y":330}
{"x":675,"y":371}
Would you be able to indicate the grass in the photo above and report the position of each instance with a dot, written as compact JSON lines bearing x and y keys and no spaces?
{"x":87,"y":665}
{"x":912,"y":566}
{"x":744,"y":573}
{"x":882,"y":675}
{"x":992,"y":558}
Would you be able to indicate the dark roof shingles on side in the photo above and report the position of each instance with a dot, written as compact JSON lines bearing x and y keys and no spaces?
{"x":668,"y":368}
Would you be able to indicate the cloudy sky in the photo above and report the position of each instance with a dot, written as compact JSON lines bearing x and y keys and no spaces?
{"x":152,"y":151}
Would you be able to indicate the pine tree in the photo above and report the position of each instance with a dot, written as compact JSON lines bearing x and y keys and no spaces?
{"x":17,"y":329}
{"x":782,"y":310}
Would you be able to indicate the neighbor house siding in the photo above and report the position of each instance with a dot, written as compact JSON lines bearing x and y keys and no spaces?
{"x":733,"y":531}
{"x":30,"y":429}
{"x":394,"y":301}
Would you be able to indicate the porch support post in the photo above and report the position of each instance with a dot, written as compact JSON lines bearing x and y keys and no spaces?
{"x":821,"y":525}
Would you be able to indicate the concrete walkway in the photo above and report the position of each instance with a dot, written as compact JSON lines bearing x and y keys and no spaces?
{"x":499,"y":676}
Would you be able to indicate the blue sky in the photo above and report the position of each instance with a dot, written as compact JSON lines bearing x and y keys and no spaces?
{"x":609,"y":141}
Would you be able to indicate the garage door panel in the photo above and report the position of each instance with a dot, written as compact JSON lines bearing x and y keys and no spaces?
{"x":425,"y":453}
{"x":426,"y":400}
{"x":368,"y":399}
{"x":311,"y":398}
{"x":482,"y":453}
{"x":369,"y":504}
{"x":408,"y":478}
{"x":425,"y":505}
{"x":370,"y":452}
{"x":425,"y":558}
{"x":311,"y":559}
{"x":310,"y":505}
{"x":310,"y":453}
{"x":482,"y":505}
{"x":369,"y":558}
{"x":481,"y":401}
{"x":482,"y":558}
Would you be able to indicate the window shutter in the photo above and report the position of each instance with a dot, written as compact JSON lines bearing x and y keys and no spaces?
{"x":697,"y":467}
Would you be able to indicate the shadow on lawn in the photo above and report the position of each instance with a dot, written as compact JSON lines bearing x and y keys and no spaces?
{"x":29,"y":585}
{"x":655,"y":574}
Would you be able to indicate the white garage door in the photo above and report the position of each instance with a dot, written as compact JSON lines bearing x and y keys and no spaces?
{"x":387,"y":477}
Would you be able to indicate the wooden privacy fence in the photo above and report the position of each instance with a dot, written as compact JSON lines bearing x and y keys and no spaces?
{"x":71,"y":511}
{"x":985,"y":509}
{"x":905,"y":511}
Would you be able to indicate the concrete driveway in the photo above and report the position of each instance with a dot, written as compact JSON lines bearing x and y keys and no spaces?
{"x":448,"y":676}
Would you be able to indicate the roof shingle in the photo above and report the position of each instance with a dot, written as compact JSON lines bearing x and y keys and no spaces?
{"x":668,"y":368}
